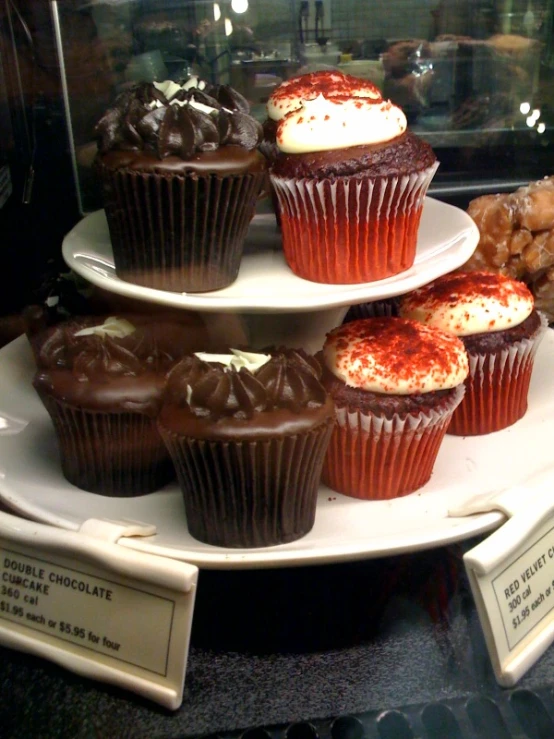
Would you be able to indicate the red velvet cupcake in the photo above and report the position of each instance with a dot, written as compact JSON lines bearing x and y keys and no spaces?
{"x":395,"y":384}
{"x":288,"y":97}
{"x":351,"y":180}
{"x":501,"y":330}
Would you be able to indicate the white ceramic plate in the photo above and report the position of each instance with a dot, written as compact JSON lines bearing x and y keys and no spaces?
{"x":31,"y":484}
{"x":447,"y":238}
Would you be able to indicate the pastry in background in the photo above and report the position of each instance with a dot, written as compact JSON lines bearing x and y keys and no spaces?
{"x":490,"y":111}
{"x":496,"y":320}
{"x":247,"y":433}
{"x":395,"y":384}
{"x":517,"y":238}
{"x":101,"y":381}
{"x":351,"y":179}
{"x":409,"y":74}
{"x":180,"y":172}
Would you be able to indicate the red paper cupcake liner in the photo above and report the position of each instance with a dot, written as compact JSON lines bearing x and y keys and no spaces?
{"x":250,"y":494}
{"x":497,"y":388}
{"x":375,"y":458}
{"x":112,"y":454}
{"x":182,"y":233}
{"x":350,"y":230}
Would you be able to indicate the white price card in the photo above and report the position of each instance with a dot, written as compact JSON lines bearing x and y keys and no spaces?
{"x":79,"y":599}
{"x":511,"y":574}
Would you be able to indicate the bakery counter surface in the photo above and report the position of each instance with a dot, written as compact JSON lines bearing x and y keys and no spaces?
{"x":391,"y":646}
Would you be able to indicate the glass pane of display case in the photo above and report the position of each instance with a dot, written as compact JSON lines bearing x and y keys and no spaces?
{"x":368,"y":628}
{"x":474,"y":77}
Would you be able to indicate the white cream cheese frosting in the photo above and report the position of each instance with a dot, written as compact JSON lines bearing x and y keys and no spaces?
{"x":395,"y":356}
{"x":337,"y":123}
{"x":468,"y":303}
{"x":288,"y":96}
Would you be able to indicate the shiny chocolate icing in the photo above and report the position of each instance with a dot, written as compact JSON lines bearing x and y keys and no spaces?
{"x":143,"y":119}
{"x":208,"y":400}
{"x":104,"y":373}
{"x":226,"y":160}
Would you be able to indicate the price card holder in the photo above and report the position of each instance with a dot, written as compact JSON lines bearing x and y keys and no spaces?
{"x":83,"y":601}
{"x":511,"y":574}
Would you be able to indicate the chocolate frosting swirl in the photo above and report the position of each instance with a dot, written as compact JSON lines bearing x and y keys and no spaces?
{"x":143,"y":119}
{"x":208,"y":389}
{"x":97,"y":358}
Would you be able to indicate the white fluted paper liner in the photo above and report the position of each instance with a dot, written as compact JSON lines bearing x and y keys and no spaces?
{"x":351,"y":229}
{"x":497,"y":387}
{"x":378,"y":425}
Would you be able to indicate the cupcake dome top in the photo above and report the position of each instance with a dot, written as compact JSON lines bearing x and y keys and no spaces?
{"x":466,"y":303}
{"x":395,"y":356}
{"x":288,"y":96}
{"x":169,"y":119}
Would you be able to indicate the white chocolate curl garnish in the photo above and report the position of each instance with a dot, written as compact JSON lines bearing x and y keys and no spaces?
{"x":237,"y":360}
{"x":113,"y":326}
{"x":169,"y":88}
{"x":337,"y":123}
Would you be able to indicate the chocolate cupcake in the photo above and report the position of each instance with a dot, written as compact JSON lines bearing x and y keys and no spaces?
{"x":351,"y":180}
{"x":247,"y":434}
{"x":395,"y":384}
{"x":102,"y":385}
{"x":501,"y":330}
{"x":180,"y":172}
{"x":375,"y":309}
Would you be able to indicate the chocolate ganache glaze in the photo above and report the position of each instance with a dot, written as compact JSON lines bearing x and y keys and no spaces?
{"x":105,"y":373}
{"x":168,"y":128}
{"x":210,"y":401}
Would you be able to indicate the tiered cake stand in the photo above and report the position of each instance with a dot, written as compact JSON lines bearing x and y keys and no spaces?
{"x":276,"y":306}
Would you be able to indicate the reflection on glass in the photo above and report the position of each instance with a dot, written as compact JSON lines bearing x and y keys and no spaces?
{"x":10,"y":426}
{"x":239,"y":6}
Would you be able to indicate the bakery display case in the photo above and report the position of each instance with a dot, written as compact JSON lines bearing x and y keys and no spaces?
{"x":365,"y":626}
{"x":473,"y":77}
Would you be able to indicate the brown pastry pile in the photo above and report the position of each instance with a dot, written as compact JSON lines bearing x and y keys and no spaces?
{"x":517,"y":238}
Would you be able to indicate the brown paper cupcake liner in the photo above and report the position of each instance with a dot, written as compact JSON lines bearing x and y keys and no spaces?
{"x":250,"y":493}
{"x":497,"y":388}
{"x":178,"y":233}
{"x":350,"y":230}
{"x":375,"y":458}
{"x":112,"y":454}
